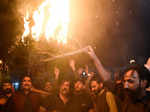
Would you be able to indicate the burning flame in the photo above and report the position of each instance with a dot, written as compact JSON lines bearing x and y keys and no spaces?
{"x":26,"y":26}
{"x":51,"y":20}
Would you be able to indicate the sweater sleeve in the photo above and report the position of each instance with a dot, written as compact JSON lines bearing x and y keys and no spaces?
{"x":111,"y":102}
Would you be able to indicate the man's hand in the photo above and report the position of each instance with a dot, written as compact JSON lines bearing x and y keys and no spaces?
{"x":90,"y":75}
{"x":3,"y":101}
{"x":56,"y":72}
{"x":103,"y":73}
{"x":89,"y":50}
{"x":72,"y":64}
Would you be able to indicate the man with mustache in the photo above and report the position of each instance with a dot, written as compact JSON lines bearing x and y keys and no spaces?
{"x":25,"y":100}
{"x":62,"y":101}
{"x":81,"y":97}
{"x":103,"y":100}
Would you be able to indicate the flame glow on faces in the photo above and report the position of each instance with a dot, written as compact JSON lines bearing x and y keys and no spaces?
{"x":51,"y":20}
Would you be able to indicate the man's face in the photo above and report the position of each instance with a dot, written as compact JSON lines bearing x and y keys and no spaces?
{"x":48,"y":86}
{"x":7,"y":87}
{"x":26,"y":83}
{"x":79,"y":86}
{"x":95,"y":87}
{"x":65,"y":88}
{"x":131,"y":80}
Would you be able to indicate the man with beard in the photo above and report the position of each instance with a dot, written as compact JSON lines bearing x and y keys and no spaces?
{"x":135,"y":80}
{"x":25,"y":100}
{"x":6,"y":97}
{"x":81,"y":99}
{"x":104,"y":100}
{"x":63,"y":100}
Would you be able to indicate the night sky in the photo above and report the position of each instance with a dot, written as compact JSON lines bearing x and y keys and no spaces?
{"x":117,"y":29}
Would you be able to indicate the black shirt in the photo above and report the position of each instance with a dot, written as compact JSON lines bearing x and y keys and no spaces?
{"x":82,"y":102}
{"x":58,"y":105}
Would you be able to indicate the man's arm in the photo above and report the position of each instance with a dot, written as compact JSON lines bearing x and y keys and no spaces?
{"x":3,"y":101}
{"x":104,"y":74}
{"x":39,"y":91}
{"x":91,"y":110}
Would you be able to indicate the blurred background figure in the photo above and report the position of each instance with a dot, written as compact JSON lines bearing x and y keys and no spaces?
{"x":6,"y":96}
{"x":147,"y":65}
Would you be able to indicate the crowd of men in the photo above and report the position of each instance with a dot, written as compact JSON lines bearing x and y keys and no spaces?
{"x":82,"y":91}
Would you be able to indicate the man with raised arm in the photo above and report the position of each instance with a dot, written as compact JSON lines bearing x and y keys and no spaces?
{"x":135,"y":80}
{"x":104,"y":74}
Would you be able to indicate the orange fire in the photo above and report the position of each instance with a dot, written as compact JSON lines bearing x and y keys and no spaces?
{"x":51,"y":20}
{"x":26,"y":26}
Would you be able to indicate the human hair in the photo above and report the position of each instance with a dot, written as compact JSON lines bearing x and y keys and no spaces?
{"x":80,"y":80}
{"x":142,"y":71}
{"x":22,"y":78}
{"x":70,"y":84}
{"x":65,"y":80}
{"x":94,"y":79}
{"x":6,"y":81}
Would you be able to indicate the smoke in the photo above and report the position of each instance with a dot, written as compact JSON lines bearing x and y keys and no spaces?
{"x":23,"y":6}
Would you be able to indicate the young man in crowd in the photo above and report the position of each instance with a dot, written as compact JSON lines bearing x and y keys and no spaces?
{"x":25,"y":100}
{"x":62,"y":101}
{"x":81,"y":98}
{"x":103,"y":100}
